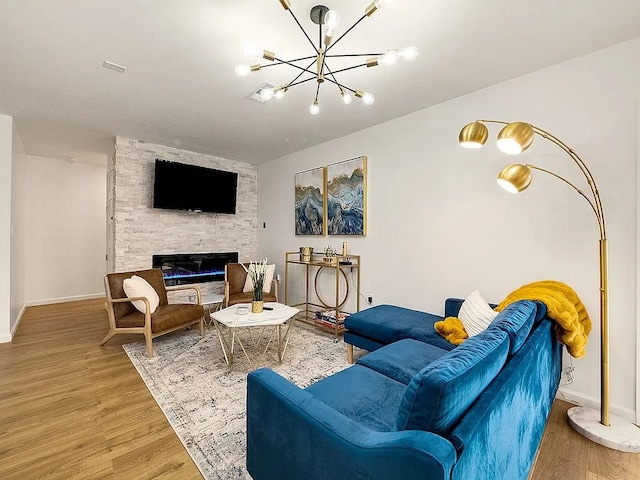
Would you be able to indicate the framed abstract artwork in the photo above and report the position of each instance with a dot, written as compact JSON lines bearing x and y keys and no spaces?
{"x":346,"y":197}
{"x":310,"y":202}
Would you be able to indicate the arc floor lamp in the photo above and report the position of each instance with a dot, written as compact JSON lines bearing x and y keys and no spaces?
{"x":515,"y":138}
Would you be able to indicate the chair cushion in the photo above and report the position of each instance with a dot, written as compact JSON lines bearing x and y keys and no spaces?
{"x":165,"y":317}
{"x":389,"y":323}
{"x":270,"y":271}
{"x":439,"y":395}
{"x":247,"y":297}
{"x":401,"y":360}
{"x":516,"y":321}
{"x":138,"y":287}
{"x":362,"y":394}
{"x":115,"y":280}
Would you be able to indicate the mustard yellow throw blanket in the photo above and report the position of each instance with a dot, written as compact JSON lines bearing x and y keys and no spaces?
{"x":563,"y":306}
{"x":452,"y":330}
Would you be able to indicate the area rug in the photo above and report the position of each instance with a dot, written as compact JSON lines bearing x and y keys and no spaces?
{"x":205,"y":402}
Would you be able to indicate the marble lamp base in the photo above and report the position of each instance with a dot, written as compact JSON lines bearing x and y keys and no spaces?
{"x":620,"y":435}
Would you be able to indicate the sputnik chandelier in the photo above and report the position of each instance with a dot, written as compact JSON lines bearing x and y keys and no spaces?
{"x":327,"y":21}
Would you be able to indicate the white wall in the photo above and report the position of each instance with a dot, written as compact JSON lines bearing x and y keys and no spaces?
{"x":439,"y":226}
{"x":6,"y":124}
{"x":18,"y":228}
{"x":65,"y":230}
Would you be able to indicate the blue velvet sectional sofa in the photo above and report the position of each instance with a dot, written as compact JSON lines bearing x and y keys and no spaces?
{"x":416,"y":407}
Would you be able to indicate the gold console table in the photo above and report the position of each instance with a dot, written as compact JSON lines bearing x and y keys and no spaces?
{"x":340,"y":265}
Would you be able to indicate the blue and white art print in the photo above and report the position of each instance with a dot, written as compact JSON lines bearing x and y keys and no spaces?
{"x":346,"y":193}
{"x":310,"y":202}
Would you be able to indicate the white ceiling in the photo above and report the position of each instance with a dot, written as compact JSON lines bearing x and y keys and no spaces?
{"x":180,"y":88}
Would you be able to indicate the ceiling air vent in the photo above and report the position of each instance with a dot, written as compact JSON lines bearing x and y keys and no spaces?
{"x":255,"y":96}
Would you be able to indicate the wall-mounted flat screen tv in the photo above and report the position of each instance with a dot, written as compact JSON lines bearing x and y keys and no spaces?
{"x":178,"y":186}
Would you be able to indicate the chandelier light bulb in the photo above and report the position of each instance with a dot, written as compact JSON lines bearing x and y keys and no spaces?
{"x":346,"y":98}
{"x":408,"y":53}
{"x":243,"y":70}
{"x":390,"y":57}
{"x":314,"y":109}
{"x":368,"y":98}
{"x":251,"y":50}
{"x":267,"y":94}
{"x":331,"y":20}
{"x":279,"y":93}
{"x":375,"y":6}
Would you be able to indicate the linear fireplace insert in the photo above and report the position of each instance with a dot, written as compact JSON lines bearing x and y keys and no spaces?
{"x":184,"y":268}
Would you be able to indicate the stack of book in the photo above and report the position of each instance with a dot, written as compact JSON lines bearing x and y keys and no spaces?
{"x":327,"y":318}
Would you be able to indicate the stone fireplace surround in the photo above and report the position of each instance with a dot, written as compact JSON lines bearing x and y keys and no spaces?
{"x":141,"y":231}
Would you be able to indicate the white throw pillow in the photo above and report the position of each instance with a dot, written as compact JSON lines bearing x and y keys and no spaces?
{"x":138,"y":287}
{"x":476,"y":314}
{"x":268,"y":278}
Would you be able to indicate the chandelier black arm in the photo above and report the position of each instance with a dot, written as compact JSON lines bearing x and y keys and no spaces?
{"x":340,"y":85}
{"x":335,"y":80}
{"x":317,"y":92}
{"x":303,"y":30}
{"x":342,"y":36}
{"x":356,"y":55}
{"x":296,"y":66}
{"x":291,"y":83}
{"x":288,"y":62}
{"x":350,"y":68}
{"x":330,"y":72}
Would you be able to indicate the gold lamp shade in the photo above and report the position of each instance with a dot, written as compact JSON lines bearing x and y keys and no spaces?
{"x":515,"y":178}
{"x":473,"y":135}
{"x":515,"y":138}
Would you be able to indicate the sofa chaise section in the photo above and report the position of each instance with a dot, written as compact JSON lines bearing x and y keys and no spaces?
{"x":376,"y":327}
{"x":475,"y":411}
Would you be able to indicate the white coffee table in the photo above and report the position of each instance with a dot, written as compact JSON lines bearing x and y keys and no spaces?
{"x":268,"y":320}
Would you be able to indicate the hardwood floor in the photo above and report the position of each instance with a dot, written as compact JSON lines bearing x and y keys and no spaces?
{"x":70,"y":409}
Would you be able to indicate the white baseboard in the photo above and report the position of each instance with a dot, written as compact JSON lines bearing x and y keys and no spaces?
{"x":75,"y":298}
{"x":7,"y":337}
{"x":18,"y":320}
{"x":578,"y":399}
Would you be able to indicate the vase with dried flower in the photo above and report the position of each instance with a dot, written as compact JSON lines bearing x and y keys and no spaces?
{"x":257,"y":272}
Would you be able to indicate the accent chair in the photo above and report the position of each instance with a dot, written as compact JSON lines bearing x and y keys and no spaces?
{"x":125,"y":318}
{"x":235,"y":275}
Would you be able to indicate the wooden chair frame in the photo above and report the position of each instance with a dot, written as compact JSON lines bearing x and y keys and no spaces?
{"x":146,"y":330}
